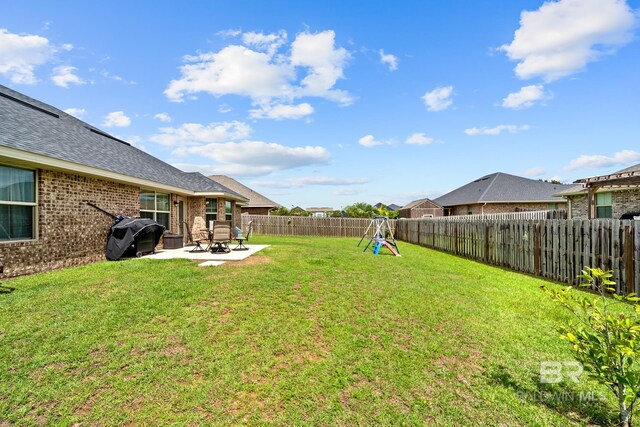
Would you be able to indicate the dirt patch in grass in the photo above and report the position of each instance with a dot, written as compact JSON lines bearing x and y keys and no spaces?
{"x":252,"y":260}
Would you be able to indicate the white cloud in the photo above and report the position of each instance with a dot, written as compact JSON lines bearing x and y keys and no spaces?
{"x":369,"y":141}
{"x":526,"y":97}
{"x":64,"y":75}
{"x":258,"y":157}
{"x":108,"y":75}
{"x":20,"y":54}
{"x":623,"y":157}
{"x":419,"y":139}
{"x":537,"y":171}
{"x":163,"y":117}
{"x":562,"y":37}
{"x":76,"y":112}
{"x":389,"y":59}
{"x":311,"y":68}
{"x":496,"y":130}
{"x":280,"y":111}
{"x":439,"y":99}
{"x":194,"y":133}
{"x":116,"y":119}
{"x":325,"y":64}
{"x":269,"y":43}
{"x":229,"y":33}
{"x":234,"y":70}
{"x":310,"y":180}
{"x":224,"y":108}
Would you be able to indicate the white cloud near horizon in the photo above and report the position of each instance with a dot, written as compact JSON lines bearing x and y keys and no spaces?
{"x":196,"y":133}
{"x":281,"y":111}
{"x":621,"y":158}
{"x":163,"y":117}
{"x":76,"y":112}
{"x":526,"y":97}
{"x":265,"y":72}
{"x":116,"y":119}
{"x":388,"y":59}
{"x":253,"y":158}
{"x":64,"y":75}
{"x":533,"y":172}
{"x":419,"y":139}
{"x":20,"y":54}
{"x":497,"y":130}
{"x":438,"y":99}
{"x":562,"y":37}
{"x":309,"y":181}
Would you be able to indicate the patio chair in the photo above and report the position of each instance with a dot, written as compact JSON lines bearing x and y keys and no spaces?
{"x":197,"y":237}
{"x":243,"y":237}
{"x":221,"y":236}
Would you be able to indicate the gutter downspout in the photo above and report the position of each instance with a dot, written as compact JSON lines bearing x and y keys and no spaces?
{"x":482,"y":208}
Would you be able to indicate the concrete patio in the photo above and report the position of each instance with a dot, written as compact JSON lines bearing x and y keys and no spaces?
{"x":208,"y":259}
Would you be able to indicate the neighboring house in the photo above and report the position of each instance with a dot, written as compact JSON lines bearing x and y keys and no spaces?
{"x":257,"y":204}
{"x":422,"y":208}
{"x":52,"y":165}
{"x":390,"y":207}
{"x":605,"y":196}
{"x":319,"y":212}
{"x":502,"y":192}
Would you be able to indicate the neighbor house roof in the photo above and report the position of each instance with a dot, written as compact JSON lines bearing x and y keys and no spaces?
{"x":390,"y":207}
{"x":417,"y":203}
{"x":626,"y":176}
{"x":34,"y":132}
{"x":319,"y":209}
{"x":502,"y":188}
{"x":256,"y":200}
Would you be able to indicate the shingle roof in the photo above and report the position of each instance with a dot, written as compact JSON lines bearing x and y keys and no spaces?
{"x":502,"y":187}
{"x":634,"y":168}
{"x":256,"y":200}
{"x":418,"y":202}
{"x":35,"y":127}
{"x":572,"y":190}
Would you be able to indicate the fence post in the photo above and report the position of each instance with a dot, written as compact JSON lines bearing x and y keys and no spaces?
{"x":537,"y":248}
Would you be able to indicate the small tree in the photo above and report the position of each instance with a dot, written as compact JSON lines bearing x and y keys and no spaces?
{"x":281,"y":211}
{"x":605,"y":341}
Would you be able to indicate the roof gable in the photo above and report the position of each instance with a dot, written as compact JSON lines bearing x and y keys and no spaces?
{"x":256,"y":200}
{"x":35,"y":127}
{"x":502,"y":187}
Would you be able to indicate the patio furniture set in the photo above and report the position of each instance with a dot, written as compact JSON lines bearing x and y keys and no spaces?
{"x":218,"y":236}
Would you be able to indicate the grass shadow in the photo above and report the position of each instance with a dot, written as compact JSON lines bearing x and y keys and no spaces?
{"x":561,"y":397}
{"x":6,"y":289}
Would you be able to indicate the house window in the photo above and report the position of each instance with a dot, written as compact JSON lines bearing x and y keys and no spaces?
{"x":603,"y":205}
{"x":155,"y":206}
{"x":552,"y":206}
{"x":17,"y":203}
{"x":211,"y":210}
{"x":469,"y":210}
{"x":227,"y":210}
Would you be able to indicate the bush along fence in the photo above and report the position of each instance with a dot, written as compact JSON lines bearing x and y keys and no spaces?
{"x":552,"y":248}
{"x":309,"y":226}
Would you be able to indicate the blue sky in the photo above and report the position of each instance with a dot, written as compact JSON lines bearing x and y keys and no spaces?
{"x":329,"y":103}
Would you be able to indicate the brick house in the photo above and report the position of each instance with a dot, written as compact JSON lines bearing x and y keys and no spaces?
{"x":605,"y":196}
{"x":52,"y":165}
{"x":422,"y":208}
{"x":257,"y":203}
{"x":501,"y":192}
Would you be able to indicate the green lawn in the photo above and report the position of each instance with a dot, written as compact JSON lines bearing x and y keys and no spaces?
{"x":306,"y":332}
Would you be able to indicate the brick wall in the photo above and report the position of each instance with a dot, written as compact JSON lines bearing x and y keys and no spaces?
{"x":70,"y":232}
{"x":256,"y":211}
{"x":622,"y":201}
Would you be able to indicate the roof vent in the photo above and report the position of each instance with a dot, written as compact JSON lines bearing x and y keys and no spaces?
{"x":26,"y":104}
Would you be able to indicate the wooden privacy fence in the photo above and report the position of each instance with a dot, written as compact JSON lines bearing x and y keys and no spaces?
{"x":309,"y":226}
{"x":555,"y":249}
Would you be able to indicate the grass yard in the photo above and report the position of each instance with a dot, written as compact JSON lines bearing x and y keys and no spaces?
{"x":306,"y":332}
